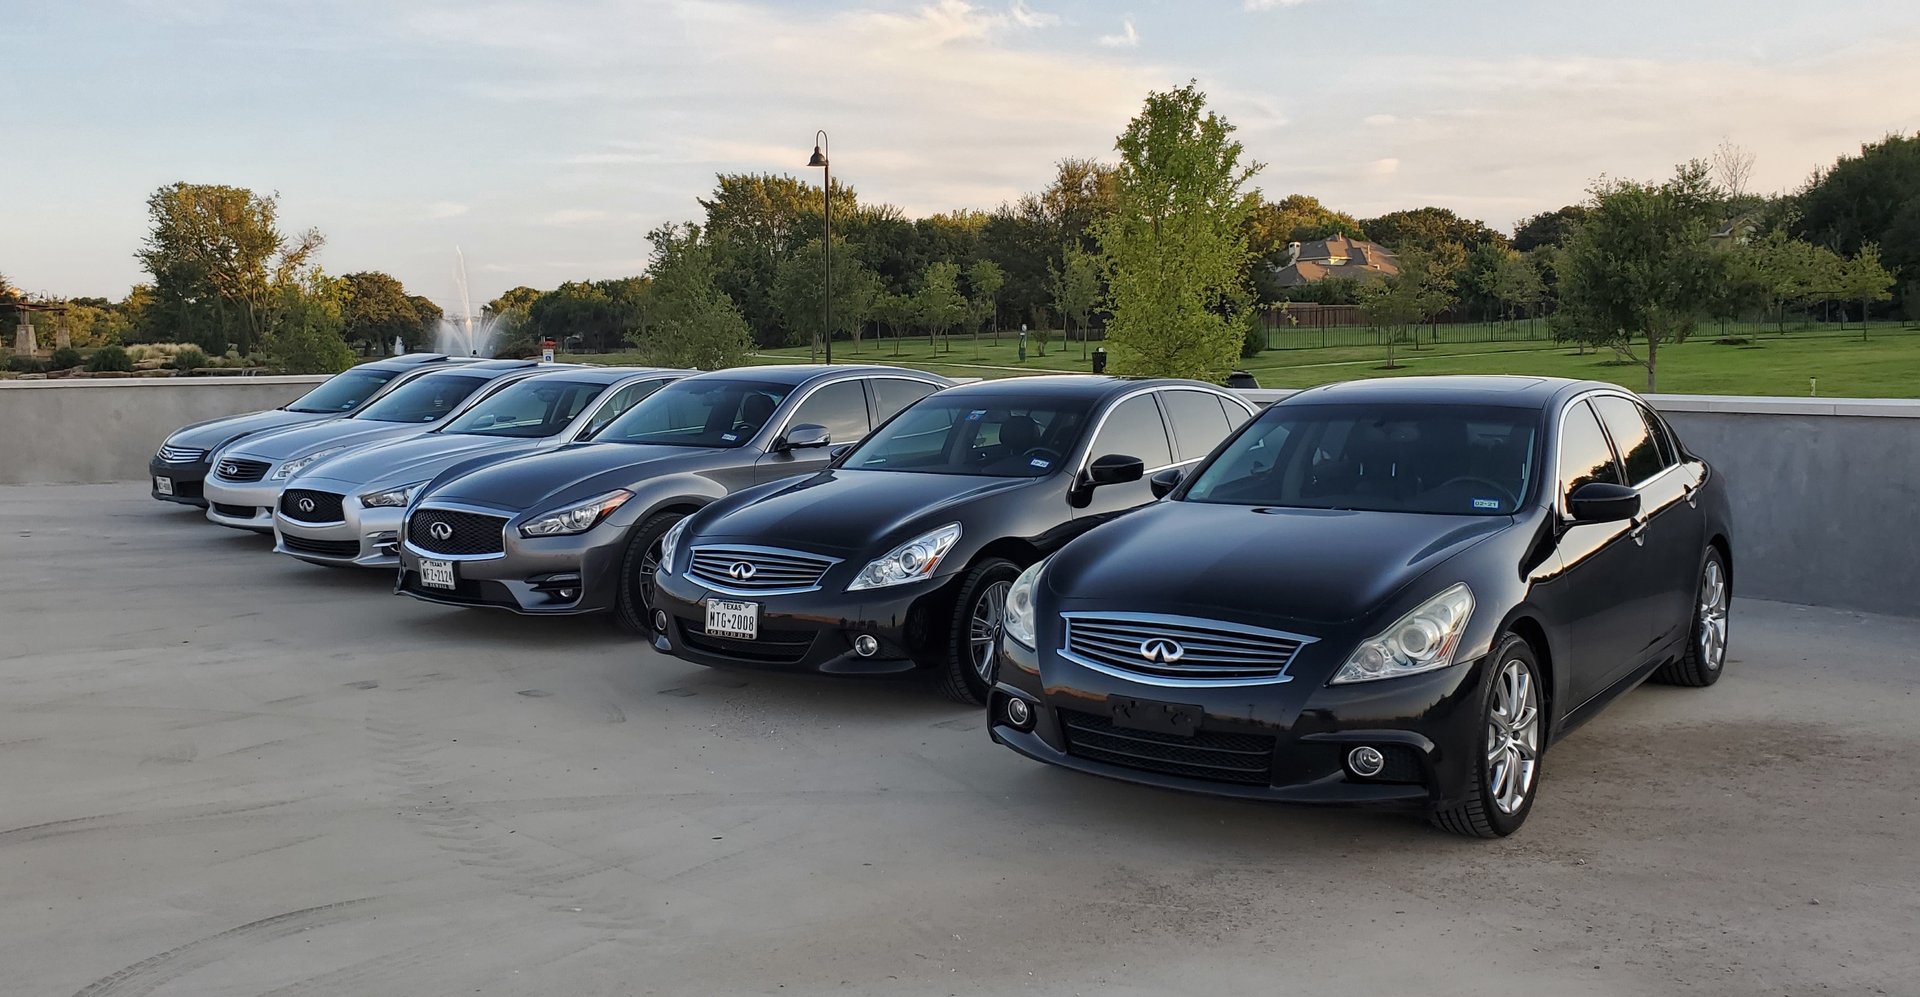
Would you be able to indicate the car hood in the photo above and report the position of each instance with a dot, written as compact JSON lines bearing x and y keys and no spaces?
{"x":851,"y":511}
{"x":404,"y":461}
{"x":582,"y":470}
{"x":302,"y":440}
{"x":216,"y":433}
{"x":1259,"y":564}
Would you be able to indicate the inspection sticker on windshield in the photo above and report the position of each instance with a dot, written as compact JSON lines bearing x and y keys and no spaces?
{"x":976,"y":415}
{"x":1486,"y":503}
{"x":729,"y":437}
{"x":1040,"y":462}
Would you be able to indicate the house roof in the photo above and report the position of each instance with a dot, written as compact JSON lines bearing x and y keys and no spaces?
{"x":1337,"y":257}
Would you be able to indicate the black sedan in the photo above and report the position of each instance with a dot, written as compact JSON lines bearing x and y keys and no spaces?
{"x":900,"y":555}
{"x":1389,"y":592}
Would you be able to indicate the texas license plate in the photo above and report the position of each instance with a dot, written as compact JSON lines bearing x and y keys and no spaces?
{"x":436,"y":574}
{"x":163,"y":486}
{"x":739,"y":620}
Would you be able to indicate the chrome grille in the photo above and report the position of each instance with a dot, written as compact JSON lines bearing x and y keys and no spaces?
{"x":240,"y":469}
{"x":757,"y":569}
{"x":1181,"y":650}
{"x":181,"y":455}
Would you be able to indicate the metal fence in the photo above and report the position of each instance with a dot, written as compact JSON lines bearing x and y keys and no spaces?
{"x":1284,"y":335}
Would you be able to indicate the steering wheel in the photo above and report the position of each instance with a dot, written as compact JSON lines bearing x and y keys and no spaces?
{"x":1052,"y":456}
{"x":1470,"y":479}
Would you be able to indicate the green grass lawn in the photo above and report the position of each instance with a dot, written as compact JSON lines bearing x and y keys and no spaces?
{"x":1885,"y":365}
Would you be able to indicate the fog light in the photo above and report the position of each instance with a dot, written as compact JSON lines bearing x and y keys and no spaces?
{"x":1019,"y":713}
{"x":865,"y":646}
{"x":566,"y":595}
{"x":660,"y":620}
{"x":1366,"y":762}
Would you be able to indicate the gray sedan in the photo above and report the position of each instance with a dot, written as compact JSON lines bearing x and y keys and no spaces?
{"x":346,"y":510}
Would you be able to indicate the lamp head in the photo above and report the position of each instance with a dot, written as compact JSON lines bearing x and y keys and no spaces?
{"x":818,"y":159}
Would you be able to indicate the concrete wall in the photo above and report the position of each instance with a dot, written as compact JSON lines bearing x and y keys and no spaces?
{"x":1821,"y":488}
{"x":105,"y":429}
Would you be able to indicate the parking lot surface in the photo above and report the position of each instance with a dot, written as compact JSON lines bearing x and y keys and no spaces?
{"x":224,"y":772}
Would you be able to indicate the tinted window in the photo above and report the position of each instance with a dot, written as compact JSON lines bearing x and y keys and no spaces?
{"x":1662,"y":437}
{"x":1198,"y":421}
{"x":424,"y":399}
{"x":1631,"y":437}
{"x":343,"y":392}
{"x":840,"y":406}
{"x":891,"y":394}
{"x":700,"y":412}
{"x":1453,"y":459}
{"x":529,"y":409}
{"x":1235,"y":413}
{"x":1584,"y":454}
{"x":1134,"y":428}
{"x":974,"y":434}
{"x":622,"y":400}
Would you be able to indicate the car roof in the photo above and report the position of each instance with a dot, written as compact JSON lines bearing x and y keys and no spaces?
{"x":1077,"y":386}
{"x":593,"y":373}
{"x":796,"y":374}
{"x":1508,"y":390}
{"x":406,"y":361}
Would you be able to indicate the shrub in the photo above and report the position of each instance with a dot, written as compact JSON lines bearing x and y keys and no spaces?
{"x":63,"y":358}
{"x":27,"y":365}
{"x":110,"y":358}
{"x":189,"y":358}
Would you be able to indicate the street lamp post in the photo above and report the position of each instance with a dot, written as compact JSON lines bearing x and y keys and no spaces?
{"x":826,"y":237}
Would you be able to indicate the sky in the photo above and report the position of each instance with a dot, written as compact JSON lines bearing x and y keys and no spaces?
{"x":543,"y":138}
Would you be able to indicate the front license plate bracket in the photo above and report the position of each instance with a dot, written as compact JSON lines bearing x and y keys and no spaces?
{"x":1177,"y":719}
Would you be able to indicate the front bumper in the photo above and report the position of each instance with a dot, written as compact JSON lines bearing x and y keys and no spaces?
{"x":188,"y":480}
{"x":364,"y":538}
{"x":811,"y":631}
{"x":242,"y":505}
{"x":540,"y":576}
{"x":1284,"y":743}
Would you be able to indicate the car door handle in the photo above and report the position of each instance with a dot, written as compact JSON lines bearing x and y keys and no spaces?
{"x":1639,"y":533}
{"x":1692,"y":493}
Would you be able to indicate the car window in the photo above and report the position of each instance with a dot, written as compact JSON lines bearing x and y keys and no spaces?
{"x":530,"y":409}
{"x":1449,"y":459}
{"x":1134,"y":428}
{"x":1199,"y":423}
{"x":1632,"y":438}
{"x":1006,"y":436}
{"x":700,"y":412}
{"x":1662,"y":436}
{"x":840,"y":406}
{"x":1236,"y":414}
{"x":619,"y":402}
{"x":343,"y":392}
{"x":424,"y":399}
{"x":1584,"y":453}
{"x":891,"y":394}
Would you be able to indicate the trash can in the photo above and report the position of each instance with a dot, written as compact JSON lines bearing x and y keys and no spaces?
{"x":1100,"y":360}
{"x":1241,"y":379}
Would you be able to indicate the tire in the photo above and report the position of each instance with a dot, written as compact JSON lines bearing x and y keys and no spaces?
{"x":633,"y":602}
{"x":963,"y":677}
{"x":1705,"y":658}
{"x":1493,"y":807}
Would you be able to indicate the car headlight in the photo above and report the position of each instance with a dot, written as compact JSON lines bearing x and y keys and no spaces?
{"x":391,"y":498}
{"x":576,"y":518}
{"x":1420,"y":641}
{"x":1019,"y":618}
{"x":293,"y":467}
{"x":669,"y":544}
{"x":910,"y":562}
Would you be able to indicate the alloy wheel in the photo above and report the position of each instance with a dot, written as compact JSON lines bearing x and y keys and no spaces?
{"x":989,"y":611}
{"x":643,"y":578}
{"x":1712,"y":626}
{"x":1513,"y":737}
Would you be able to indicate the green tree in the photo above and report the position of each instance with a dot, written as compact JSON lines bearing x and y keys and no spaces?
{"x":694,"y":323}
{"x":984,"y":281}
{"x":796,"y":293}
{"x":1175,"y":250}
{"x":938,"y":304}
{"x":895,"y":313}
{"x":1076,"y":289}
{"x":1398,"y":304}
{"x":1866,"y":280}
{"x":1551,"y":229}
{"x":755,"y":221}
{"x":1870,"y":198}
{"x":1517,"y":284}
{"x":1640,"y":271}
{"x":218,"y":260}
{"x":375,"y":310}
{"x":308,"y":320}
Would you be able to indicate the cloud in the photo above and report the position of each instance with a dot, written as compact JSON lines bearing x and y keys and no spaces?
{"x":445,"y":209}
{"x":1127,"y":38}
{"x":1027,"y":17}
{"x":1272,"y":4}
{"x":1383,"y":167}
{"x":1380,"y":120}
{"x":574,"y":216}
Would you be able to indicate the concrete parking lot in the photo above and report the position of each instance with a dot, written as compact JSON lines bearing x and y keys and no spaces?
{"x":224,"y":772}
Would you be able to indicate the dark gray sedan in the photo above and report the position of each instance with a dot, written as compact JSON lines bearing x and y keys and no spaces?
{"x":578,"y":529}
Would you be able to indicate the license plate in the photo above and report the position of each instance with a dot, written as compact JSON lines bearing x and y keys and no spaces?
{"x":1160,"y":718}
{"x":436,"y":574}
{"x":739,"y":620}
{"x":163,"y":486}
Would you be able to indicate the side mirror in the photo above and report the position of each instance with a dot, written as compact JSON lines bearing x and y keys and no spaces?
{"x":1603,"y":502}
{"x":805,"y":436}
{"x":1114,"y":469}
{"x":1166,"y":481}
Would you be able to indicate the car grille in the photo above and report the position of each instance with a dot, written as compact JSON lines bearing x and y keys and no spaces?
{"x":1181,"y":648}
{"x":308,"y":506}
{"x":345,"y":550}
{"x":240,"y":469}
{"x":757,"y":569}
{"x":1216,"y":756}
{"x":466,"y":532}
{"x":236,"y":511}
{"x":181,"y":455}
{"x":774,"y":647}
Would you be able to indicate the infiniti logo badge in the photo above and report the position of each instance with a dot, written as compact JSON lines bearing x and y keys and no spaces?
{"x":229,"y":470}
{"x":741,"y":571}
{"x":306,"y":505}
{"x":1161,"y":650}
{"x":440,"y":531}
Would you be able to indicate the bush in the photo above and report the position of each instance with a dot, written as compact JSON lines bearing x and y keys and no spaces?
{"x":64,"y":358}
{"x":189,"y":358}
{"x":27,"y":365}
{"x":110,"y":358}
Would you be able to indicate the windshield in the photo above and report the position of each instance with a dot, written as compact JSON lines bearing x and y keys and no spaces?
{"x":343,"y":392}
{"x":1452,"y":459}
{"x":699,"y":412}
{"x":424,"y":399}
{"x":1001,"y":437}
{"x":532,"y":409}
